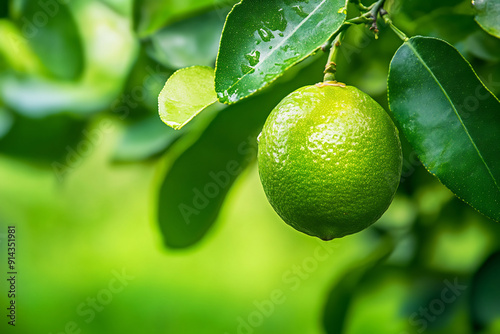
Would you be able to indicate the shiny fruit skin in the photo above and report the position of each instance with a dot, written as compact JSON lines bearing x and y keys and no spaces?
{"x":329,"y":160}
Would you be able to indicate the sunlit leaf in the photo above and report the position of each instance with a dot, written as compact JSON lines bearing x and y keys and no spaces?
{"x":450,"y":118}
{"x":187,"y":92}
{"x":15,"y":51}
{"x":488,"y":15}
{"x":262,"y":39}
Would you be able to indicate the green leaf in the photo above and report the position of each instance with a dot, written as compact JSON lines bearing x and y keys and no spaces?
{"x":447,"y":25}
{"x":48,"y":140}
{"x":450,"y":118}
{"x":4,"y":9}
{"x":122,"y":7}
{"x":151,"y":15}
{"x":187,"y":92}
{"x":190,"y":42}
{"x":483,"y":46}
{"x":262,"y":39}
{"x":144,"y":83}
{"x":24,"y":59}
{"x":103,"y":76}
{"x":145,"y":139}
{"x":485,"y":292}
{"x":488,"y":15}
{"x":6,"y":120}
{"x":196,"y":185}
{"x":418,"y":8}
{"x":403,"y":296}
{"x":52,"y":23}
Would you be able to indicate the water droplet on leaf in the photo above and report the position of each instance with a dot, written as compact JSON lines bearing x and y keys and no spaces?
{"x":253,"y":58}
{"x":247,"y":69}
{"x":300,"y":11}
{"x":265,"y":34}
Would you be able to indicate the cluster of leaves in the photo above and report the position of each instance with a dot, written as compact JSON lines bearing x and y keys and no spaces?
{"x":450,"y":121}
{"x":417,"y":258}
{"x":448,"y":116}
{"x":50,"y":95}
{"x":54,"y":74}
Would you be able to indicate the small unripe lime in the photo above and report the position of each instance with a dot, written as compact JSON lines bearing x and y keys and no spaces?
{"x":329,"y":160}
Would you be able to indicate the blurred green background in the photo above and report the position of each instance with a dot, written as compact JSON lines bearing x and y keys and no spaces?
{"x":83,"y":156}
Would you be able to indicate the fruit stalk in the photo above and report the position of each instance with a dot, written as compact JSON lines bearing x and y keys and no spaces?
{"x":331,"y":65}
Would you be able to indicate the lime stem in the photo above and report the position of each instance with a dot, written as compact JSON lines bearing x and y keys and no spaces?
{"x":331,"y":65}
{"x":369,"y":15}
{"x":377,"y":6}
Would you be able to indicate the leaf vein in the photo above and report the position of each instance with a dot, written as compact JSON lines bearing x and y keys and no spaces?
{"x":456,"y":113}
{"x":280,"y":44}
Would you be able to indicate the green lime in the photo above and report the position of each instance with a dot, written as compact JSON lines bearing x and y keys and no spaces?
{"x":329,"y":160}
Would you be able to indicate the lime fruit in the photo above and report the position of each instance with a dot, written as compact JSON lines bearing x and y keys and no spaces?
{"x":329,"y":160}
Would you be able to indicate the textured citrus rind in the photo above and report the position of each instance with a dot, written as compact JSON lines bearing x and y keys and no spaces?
{"x":329,"y":160}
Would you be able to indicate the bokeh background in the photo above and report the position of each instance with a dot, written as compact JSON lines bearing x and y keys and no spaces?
{"x":83,"y":156}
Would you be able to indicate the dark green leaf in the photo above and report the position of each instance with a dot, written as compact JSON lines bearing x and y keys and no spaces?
{"x":450,"y":118}
{"x":140,"y":94}
{"x":194,"y":41}
{"x":262,"y":39}
{"x":417,"y":8}
{"x":187,"y":92}
{"x":488,"y":15}
{"x":451,"y":27}
{"x":6,"y":120}
{"x":101,"y":81}
{"x":405,"y":300}
{"x":51,"y":30}
{"x":196,"y":185}
{"x":4,"y":9}
{"x":151,"y":15}
{"x":485,"y":292}
{"x":46,"y":140}
{"x":483,"y":46}
{"x":145,"y":139}
{"x":339,"y":300}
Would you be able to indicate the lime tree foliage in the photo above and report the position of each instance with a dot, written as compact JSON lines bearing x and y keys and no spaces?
{"x":435,"y":69}
{"x":449,"y":117}
{"x":434,"y":66}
